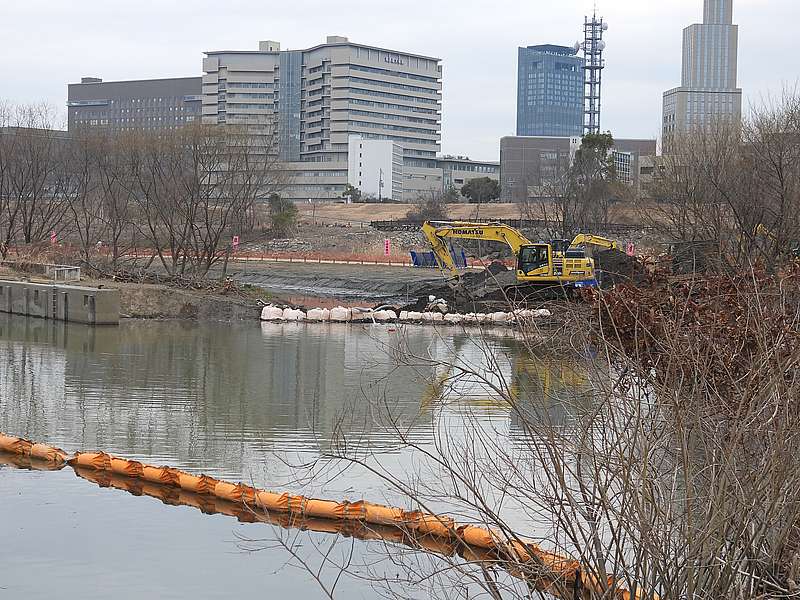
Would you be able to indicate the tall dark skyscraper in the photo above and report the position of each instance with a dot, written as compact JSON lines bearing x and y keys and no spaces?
{"x":550,"y":91}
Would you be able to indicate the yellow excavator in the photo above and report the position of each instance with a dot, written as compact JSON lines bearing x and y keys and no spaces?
{"x":794,"y":245}
{"x":557,"y":264}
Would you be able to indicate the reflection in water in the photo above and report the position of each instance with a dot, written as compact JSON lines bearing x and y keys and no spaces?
{"x":487,"y":374}
{"x":219,"y":396}
{"x":208,"y":396}
{"x":235,"y":400}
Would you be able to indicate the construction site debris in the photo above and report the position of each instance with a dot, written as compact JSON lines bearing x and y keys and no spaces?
{"x":617,"y":267}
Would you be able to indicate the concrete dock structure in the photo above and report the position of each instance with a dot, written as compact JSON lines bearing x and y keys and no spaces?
{"x":76,"y":304}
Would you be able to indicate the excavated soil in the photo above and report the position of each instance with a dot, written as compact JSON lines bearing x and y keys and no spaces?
{"x":618,"y":267}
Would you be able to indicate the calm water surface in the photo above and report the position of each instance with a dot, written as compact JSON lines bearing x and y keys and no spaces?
{"x":235,"y":401}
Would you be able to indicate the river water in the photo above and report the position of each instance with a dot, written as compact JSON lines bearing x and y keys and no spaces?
{"x":235,"y":401}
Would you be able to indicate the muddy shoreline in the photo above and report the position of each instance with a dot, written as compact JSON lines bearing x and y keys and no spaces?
{"x":298,"y":285}
{"x":371,"y":284}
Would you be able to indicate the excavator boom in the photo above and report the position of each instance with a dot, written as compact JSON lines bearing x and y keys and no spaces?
{"x":437,"y":232}
{"x":587,"y":239}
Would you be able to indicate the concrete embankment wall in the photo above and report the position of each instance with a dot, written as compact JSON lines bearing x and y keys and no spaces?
{"x":76,"y":304}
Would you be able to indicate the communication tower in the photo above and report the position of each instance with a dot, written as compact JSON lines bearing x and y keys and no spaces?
{"x":593,"y":47}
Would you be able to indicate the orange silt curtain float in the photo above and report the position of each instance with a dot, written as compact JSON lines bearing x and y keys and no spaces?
{"x":435,"y":533}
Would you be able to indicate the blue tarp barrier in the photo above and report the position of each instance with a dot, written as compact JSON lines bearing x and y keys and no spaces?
{"x":427,"y":260}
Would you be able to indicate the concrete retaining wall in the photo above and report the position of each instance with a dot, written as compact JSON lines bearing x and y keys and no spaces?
{"x":60,"y":302}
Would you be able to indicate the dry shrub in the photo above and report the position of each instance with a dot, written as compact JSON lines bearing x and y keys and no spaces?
{"x":720,"y":332}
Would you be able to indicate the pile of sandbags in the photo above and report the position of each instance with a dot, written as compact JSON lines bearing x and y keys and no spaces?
{"x":340,"y":314}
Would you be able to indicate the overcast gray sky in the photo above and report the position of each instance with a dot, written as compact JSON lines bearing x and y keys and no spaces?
{"x":46,"y":44}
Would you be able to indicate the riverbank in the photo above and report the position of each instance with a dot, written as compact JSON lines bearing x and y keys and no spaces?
{"x":224,"y":302}
{"x":353,"y":284}
{"x":149,"y":301}
{"x":253,"y":285}
{"x":249,"y":286}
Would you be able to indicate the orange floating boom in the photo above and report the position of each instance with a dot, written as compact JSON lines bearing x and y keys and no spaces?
{"x":556,"y":574}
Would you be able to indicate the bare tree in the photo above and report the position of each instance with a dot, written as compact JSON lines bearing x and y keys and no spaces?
{"x":737,"y":188}
{"x":111,"y":158}
{"x":196,"y":188}
{"x":578,"y":196}
{"x":7,"y":217}
{"x":84,"y":193}
{"x":36,"y":189}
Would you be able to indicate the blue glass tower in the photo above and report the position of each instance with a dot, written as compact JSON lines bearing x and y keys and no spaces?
{"x":550,"y":91}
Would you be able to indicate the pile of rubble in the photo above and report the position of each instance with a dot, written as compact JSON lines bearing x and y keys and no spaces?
{"x":617,"y":267}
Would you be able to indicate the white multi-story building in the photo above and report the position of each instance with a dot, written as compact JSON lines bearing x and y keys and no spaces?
{"x":708,"y":92}
{"x":312,"y":101}
{"x":376,"y":168}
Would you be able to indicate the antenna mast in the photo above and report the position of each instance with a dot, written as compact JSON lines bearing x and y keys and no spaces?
{"x":593,"y":47}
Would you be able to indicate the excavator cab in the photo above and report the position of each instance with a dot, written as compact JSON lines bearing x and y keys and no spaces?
{"x":560,"y":247}
{"x":534,"y":259}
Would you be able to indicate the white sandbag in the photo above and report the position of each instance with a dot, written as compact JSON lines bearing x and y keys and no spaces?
{"x":499,"y":318}
{"x":361,"y":316}
{"x":271,"y":313}
{"x":291,"y":314}
{"x":526,"y":315}
{"x":454,"y":318}
{"x":483,"y":317}
{"x":432,"y":317}
{"x":383,"y":316}
{"x":410,"y":316}
{"x":318,"y":315}
{"x":341,"y":314}
{"x":470,"y":318}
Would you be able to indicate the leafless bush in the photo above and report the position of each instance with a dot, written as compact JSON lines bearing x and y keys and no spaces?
{"x":430,"y":205}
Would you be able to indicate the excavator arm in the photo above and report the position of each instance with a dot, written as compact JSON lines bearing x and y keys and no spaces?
{"x":586,"y":239}
{"x":438,"y":232}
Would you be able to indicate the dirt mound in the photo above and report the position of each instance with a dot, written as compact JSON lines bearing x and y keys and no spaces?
{"x":618,"y":267}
